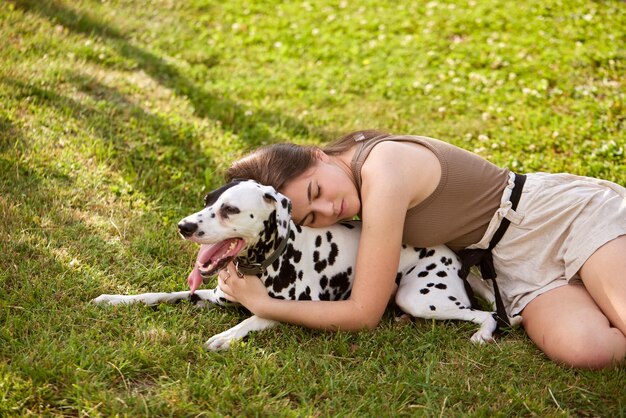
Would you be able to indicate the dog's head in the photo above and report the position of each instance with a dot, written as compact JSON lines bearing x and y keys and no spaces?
{"x":236,"y":216}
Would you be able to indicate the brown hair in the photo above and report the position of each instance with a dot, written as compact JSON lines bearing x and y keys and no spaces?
{"x":277,"y":164}
{"x":347,"y":141}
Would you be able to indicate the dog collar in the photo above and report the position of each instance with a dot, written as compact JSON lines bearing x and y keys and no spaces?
{"x":259,"y":268}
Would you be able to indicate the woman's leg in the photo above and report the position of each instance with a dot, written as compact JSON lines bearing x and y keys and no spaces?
{"x":568,"y":326}
{"x":604,"y":275}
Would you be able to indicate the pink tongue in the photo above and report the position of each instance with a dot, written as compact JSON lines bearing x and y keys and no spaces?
{"x":195,"y":278}
{"x":218,"y":251}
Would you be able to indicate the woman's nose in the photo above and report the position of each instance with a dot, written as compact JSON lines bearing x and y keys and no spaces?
{"x":324,"y":208}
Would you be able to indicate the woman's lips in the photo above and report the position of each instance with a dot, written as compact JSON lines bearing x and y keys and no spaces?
{"x":342,"y":209}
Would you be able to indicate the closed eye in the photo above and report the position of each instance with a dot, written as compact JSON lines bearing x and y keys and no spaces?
{"x":309,"y":219}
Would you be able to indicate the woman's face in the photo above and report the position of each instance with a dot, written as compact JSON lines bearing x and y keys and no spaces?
{"x":323,"y":195}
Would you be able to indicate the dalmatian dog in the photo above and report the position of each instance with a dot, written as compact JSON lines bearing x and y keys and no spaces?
{"x":250,"y":224}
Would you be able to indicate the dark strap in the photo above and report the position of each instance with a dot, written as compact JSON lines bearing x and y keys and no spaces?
{"x":484,"y":258}
{"x":254,"y":268}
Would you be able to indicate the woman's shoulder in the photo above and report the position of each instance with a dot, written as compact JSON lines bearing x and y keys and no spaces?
{"x":398,"y":157}
{"x":404,"y":167}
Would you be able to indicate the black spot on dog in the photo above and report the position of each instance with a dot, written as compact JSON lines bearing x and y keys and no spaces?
{"x":286,"y":277}
{"x":329,"y":236}
{"x":457,"y":303}
{"x":318,"y":241}
{"x":452,"y":298}
{"x":442,"y":274}
{"x":425,"y":252}
{"x":431,"y":266}
{"x":252,"y":216}
{"x":334,"y":252}
{"x":324,"y":282}
{"x":432,"y":308}
{"x":441,"y":286}
{"x":212,"y":197}
{"x":292,"y":254}
{"x":422,"y":274}
{"x":320,"y":266}
{"x":284,"y":203}
{"x":200,"y":233}
{"x":430,"y":285}
{"x":398,"y":278}
{"x":340,"y":284}
{"x":347,"y":225}
{"x":306,"y":295}
{"x":410,"y":270}
{"x":424,"y":291}
{"x":316,"y":256}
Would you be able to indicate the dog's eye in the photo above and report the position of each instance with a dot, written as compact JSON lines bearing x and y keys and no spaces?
{"x":227,"y":210}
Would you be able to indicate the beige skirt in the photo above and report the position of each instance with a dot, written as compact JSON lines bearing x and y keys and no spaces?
{"x":560,"y":221}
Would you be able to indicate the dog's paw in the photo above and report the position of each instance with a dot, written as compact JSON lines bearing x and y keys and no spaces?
{"x":220,"y":341}
{"x":481,"y":337}
{"x":485,"y":332}
{"x":105,"y":300}
{"x":114,"y":300}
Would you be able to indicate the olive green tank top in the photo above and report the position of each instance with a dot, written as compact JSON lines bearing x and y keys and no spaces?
{"x":458,"y":212}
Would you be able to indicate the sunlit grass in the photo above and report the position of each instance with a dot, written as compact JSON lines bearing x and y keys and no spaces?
{"x":117,"y":116}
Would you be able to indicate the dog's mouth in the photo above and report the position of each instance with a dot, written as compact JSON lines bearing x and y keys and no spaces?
{"x":212,"y":258}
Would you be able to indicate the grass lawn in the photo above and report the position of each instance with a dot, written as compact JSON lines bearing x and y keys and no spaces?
{"x":116,"y":116}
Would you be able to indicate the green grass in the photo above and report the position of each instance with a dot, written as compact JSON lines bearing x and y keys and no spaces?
{"x":116,"y":117}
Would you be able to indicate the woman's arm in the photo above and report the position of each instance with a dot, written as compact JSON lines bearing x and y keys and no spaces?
{"x":386,"y":196}
{"x":375,"y":272}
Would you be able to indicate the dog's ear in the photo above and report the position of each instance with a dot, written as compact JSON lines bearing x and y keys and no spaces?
{"x":278,"y":199}
{"x":269,"y":197}
{"x":212,"y":197}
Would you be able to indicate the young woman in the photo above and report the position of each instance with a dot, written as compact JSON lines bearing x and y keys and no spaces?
{"x":561,"y":263}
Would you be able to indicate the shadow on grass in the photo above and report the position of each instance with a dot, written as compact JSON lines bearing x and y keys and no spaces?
{"x":157,"y":161}
{"x":140,"y":161}
{"x":231,"y":115}
{"x":57,"y":241}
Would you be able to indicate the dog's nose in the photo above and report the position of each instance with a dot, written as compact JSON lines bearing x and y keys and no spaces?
{"x":187,"y":228}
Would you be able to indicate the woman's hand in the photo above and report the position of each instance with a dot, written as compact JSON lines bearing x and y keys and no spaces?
{"x":247,"y":290}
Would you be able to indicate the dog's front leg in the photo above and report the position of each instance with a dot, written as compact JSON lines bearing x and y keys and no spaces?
{"x":222,"y":341}
{"x":200,"y":297}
